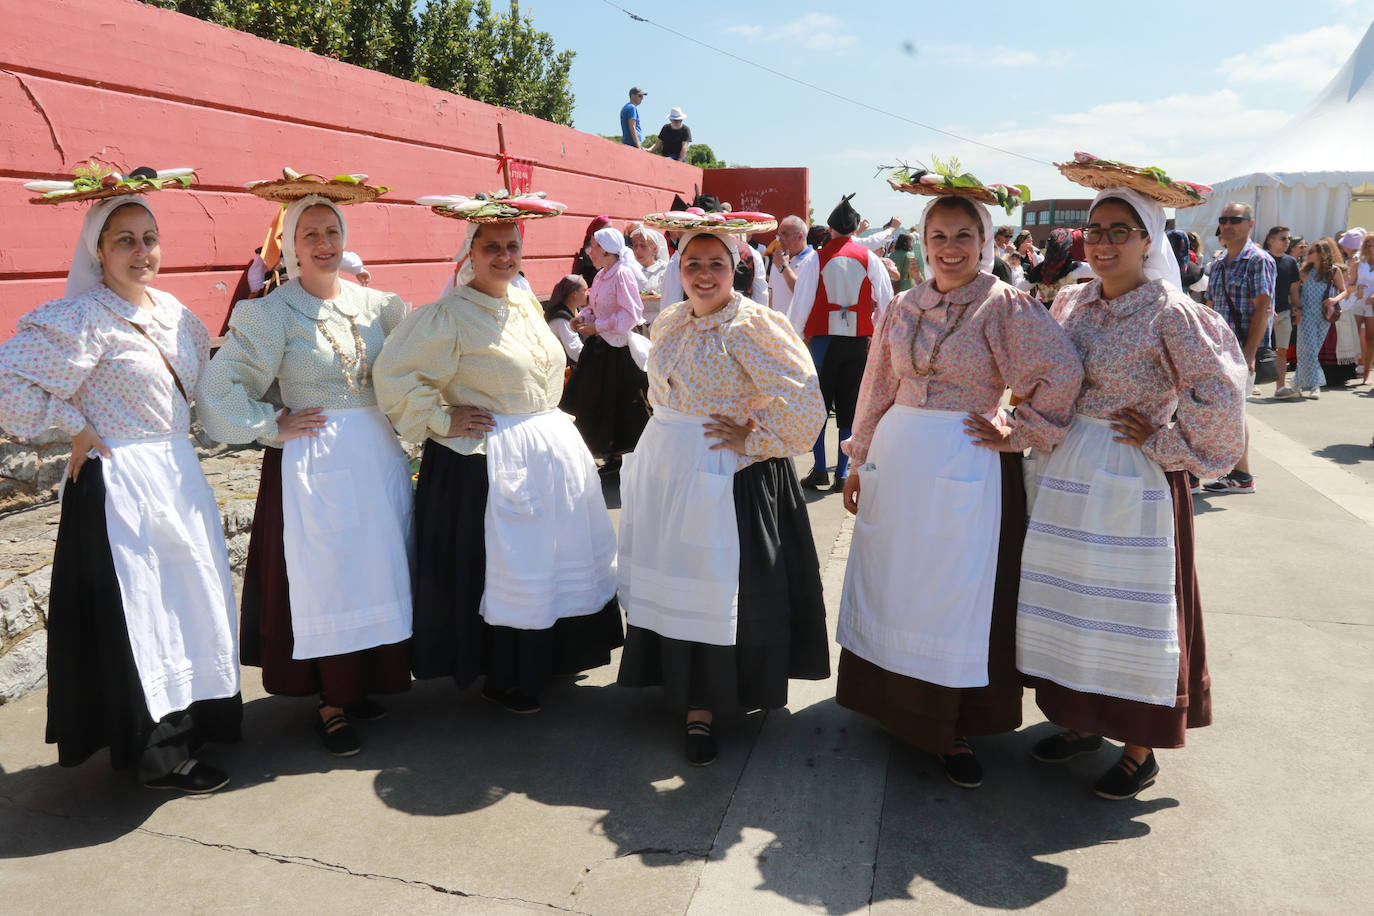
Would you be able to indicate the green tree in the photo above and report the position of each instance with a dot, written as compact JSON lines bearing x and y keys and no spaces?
{"x":459,"y":46}
{"x":700,"y":155}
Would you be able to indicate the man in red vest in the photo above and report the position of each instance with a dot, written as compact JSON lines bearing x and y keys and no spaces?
{"x":835,"y":302}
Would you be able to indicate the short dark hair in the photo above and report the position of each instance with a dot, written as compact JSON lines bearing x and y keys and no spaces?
{"x":1001,"y":230}
{"x":1273,"y":231}
{"x":1245,"y":208}
{"x":905,"y":242}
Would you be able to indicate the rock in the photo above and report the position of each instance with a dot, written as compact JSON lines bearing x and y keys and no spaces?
{"x":237,"y":515}
{"x":51,"y":472}
{"x":17,"y":612}
{"x":39,"y":582}
{"x":51,"y":436}
{"x":18,"y":462}
{"x":238,"y":550}
{"x":24,"y":668}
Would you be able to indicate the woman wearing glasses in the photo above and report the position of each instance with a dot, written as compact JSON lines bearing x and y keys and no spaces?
{"x":1109,"y":624}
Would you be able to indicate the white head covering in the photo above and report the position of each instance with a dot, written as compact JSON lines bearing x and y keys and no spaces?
{"x":288,"y":229}
{"x":984,"y":258}
{"x":86,"y":272}
{"x":660,"y":243}
{"x":613,"y":242}
{"x":687,"y":237}
{"x":1160,"y":263}
{"x":466,"y":272}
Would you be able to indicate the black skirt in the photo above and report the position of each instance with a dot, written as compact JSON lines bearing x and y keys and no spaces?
{"x":450,"y":637}
{"x":95,"y":697}
{"x":608,"y":396}
{"x":780,"y":631}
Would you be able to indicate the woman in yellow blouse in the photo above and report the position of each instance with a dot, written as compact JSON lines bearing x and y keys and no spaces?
{"x":718,"y":571}
{"x":515,"y":569}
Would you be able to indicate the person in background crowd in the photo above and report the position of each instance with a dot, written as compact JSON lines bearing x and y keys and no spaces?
{"x":1297,"y":247}
{"x":839,"y":295}
{"x":582,"y":264}
{"x":1001,"y":241}
{"x":1276,"y":242}
{"x":1025,"y":247}
{"x":1241,"y":290}
{"x":569,"y":297}
{"x":817,"y":236}
{"x":631,"y":131}
{"x":1055,"y":268}
{"x":651,"y":253}
{"x":1018,"y":274}
{"x":903,"y":256}
{"x":880,"y":240}
{"x":674,"y":137}
{"x":1316,"y":301}
{"x":791,"y":253}
{"x":1358,"y":279}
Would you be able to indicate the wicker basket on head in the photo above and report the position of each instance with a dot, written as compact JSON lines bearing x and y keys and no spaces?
{"x":519,"y":217}
{"x":659,"y":221}
{"x":54,"y":192}
{"x":285,"y":190}
{"x":1099,"y":177}
{"x":982,"y":195}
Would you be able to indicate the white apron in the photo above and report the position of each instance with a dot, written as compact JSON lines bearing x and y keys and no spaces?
{"x":679,"y":543}
{"x":1097,"y":611}
{"x":918,"y":587}
{"x":549,"y":539}
{"x":167,"y":542}
{"x":348,"y":532}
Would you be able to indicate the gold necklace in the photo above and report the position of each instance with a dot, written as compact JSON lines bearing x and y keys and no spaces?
{"x":939,"y":341}
{"x":358,"y":361}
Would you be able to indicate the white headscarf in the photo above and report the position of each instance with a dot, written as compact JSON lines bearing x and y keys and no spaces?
{"x":86,"y":272}
{"x":730,"y":246}
{"x":613,"y":242}
{"x":1160,"y":263}
{"x":466,"y":272}
{"x":660,"y":243}
{"x":288,"y":230}
{"x":985,"y":256}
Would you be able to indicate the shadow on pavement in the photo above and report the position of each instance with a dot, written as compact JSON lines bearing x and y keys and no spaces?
{"x":1345,"y":453}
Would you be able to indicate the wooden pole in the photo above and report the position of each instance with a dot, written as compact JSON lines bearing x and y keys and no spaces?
{"x":505,"y":163}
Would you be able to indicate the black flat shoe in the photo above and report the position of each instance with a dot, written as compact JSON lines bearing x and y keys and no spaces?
{"x":338,"y":736}
{"x":1059,"y":748}
{"x":513,"y":700}
{"x":838,"y":485}
{"x":818,"y":479}
{"x":1127,"y":778}
{"x":192,"y":777}
{"x":365,"y":710}
{"x":701,"y":745}
{"x":962,"y":768}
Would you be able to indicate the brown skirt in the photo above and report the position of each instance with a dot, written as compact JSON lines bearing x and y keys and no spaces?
{"x":1147,"y":724}
{"x":266,"y":637}
{"x":930,"y":716}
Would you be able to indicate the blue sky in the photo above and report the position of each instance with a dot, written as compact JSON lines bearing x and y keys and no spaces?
{"x":1194,"y":88}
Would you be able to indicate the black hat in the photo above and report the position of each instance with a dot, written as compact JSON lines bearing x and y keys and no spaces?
{"x":708,"y":203}
{"x":844,"y":219}
{"x":679,"y":204}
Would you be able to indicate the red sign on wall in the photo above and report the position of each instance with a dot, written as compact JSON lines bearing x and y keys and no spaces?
{"x":521,"y":175}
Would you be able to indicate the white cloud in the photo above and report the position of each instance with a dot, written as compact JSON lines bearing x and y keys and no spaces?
{"x":995,"y":56}
{"x":1305,"y":60}
{"x":813,"y":31}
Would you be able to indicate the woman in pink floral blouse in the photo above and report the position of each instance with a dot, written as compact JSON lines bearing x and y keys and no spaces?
{"x":1109,"y":623}
{"x":930,"y":590}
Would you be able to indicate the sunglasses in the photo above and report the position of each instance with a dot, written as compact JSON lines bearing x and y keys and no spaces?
{"x":1232,"y":220}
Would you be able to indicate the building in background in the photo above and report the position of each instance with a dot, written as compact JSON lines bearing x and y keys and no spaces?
{"x":1040,"y":216}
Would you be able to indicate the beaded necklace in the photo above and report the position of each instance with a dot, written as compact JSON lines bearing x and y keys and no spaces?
{"x":939,"y":341}
{"x":358,"y":361}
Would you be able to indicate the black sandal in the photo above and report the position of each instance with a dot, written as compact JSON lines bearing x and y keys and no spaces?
{"x":701,"y":745}
{"x":962,"y":767}
{"x":338,"y":735}
{"x":1127,"y":778}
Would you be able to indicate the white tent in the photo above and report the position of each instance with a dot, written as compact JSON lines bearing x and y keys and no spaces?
{"x":1314,"y":167}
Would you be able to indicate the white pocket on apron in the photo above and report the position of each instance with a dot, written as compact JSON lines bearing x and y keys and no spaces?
{"x":868,"y":495}
{"x":952,"y":508}
{"x":710,"y":508}
{"x":1114,"y":505}
{"x":513,"y":494}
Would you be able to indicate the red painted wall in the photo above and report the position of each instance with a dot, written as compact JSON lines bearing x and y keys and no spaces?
{"x":136,"y":85}
{"x":781,"y":192}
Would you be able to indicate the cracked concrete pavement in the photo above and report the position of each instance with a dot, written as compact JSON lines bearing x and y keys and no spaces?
{"x":456,"y":806}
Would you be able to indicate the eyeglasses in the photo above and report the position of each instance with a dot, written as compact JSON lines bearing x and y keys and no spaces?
{"x":1232,"y":220}
{"x":1117,"y":235}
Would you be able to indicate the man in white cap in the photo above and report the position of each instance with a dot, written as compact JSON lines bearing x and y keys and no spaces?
{"x":674,"y":137}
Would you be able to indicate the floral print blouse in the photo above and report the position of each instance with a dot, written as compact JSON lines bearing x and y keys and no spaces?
{"x":742,"y":361}
{"x":1002,"y":339}
{"x":80,"y":360}
{"x":1160,"y":353}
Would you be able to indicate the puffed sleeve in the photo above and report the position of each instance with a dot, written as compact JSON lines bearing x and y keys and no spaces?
{"x":53,"y":350}
{"x":774,"y":357}
{"x":393,"y":312}
{"x":229,"y":396}
{"x":416,"y":364}
{"x":1209,"y":373}
{"x":878,"y":389}
{"x":1038,"y":362}
{"x":628,"y":311}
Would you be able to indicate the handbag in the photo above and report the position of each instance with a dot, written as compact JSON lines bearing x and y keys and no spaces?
{"x":1331,"y":312}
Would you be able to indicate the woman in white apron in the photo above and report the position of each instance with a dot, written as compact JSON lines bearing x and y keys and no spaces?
{"x":718,"y":570}
{"x":326,"y":606}
{"x":141,"y":634}
{"x":1109,"y":626}
{"x":651,"y":253}
{"x":929,"y":595}
{"x":515,"y":565}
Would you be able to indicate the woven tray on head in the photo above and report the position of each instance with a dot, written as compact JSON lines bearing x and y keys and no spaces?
{"x":655,"y":221}
{"x":519,"y":217}
{"x":982,"y":195}
{"x":1101,"y":177}
{"x":103,"y":193}
{"x":343,"y":193}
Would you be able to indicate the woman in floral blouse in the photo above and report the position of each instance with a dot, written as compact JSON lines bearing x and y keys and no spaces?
{"x":718,"y":571}
{"x":1109,"y":624}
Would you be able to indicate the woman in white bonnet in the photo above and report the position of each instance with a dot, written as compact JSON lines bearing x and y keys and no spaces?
{"x":141,"y":635}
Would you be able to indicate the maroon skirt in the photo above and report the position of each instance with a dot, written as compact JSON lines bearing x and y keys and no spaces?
{"x":930,"y":716}
{"x":1147,"y":724}
{"x":266,"y":640}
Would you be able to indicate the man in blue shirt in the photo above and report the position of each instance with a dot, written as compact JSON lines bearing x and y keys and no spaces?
{"x":631,"y":134}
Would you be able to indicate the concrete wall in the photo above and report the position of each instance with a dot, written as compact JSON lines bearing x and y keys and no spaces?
{"x":137,"y":85}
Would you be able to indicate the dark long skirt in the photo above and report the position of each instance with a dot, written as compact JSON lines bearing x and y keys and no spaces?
{"x":95,"y":698}
{"x":1147,"y":724}
{"x":930,"y":716}
{"x":840,"y":373}
{"x":608,"y":396}
{"x":451,"y":638}
{"x":265,"y":634}
{"x":780,"y":632}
